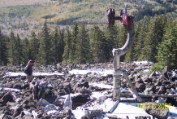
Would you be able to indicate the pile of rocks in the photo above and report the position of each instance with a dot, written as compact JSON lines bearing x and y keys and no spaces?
{"x":32,"y":99}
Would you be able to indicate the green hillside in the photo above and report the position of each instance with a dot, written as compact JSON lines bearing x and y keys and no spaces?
{"x":24,"y":18}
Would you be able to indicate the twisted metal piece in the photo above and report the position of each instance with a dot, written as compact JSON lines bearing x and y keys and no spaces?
{"x":127,"y":22}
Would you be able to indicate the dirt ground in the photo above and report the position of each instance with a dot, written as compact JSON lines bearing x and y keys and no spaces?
{"x":6,"y":3}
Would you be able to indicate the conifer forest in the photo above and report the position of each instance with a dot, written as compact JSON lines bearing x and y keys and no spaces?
{"x":155,"y":40}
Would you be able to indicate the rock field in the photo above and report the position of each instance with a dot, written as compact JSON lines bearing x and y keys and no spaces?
{"x":45,"y":96}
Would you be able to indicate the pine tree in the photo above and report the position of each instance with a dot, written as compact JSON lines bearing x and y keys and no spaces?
{"x":3,"y":49}
{"x":111,"y":41}
{"x":83,"y":48}
{"x":67,"y":50}
{"x":57,"y":45}
{"x":18,"y":50}
{"x":140,"y":35}
{"x":34,"y":46}
{"x":145,"y":53}
{"x":167,"y":50}
{"x":74,"y":44}
{"x":96,"y":43}
{"x":160,"y":24}
{"x":61,"y":45}
{"x":45,"y":46}
{"x":11,"y":49}
{"x":26,"y":51}
{"x":153,"y":37}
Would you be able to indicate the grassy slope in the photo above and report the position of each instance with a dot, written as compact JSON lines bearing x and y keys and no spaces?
{"x":28,"y":17}
{"x":7,"y":3}
{"x":60,"y":11}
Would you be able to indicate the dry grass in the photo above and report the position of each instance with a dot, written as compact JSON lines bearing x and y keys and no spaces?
{"x":35,"y":12}
{"x":6,"y":3}
{"x":92,"y":12}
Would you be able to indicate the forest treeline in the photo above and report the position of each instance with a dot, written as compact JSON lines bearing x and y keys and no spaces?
{"x":155,"y":40}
